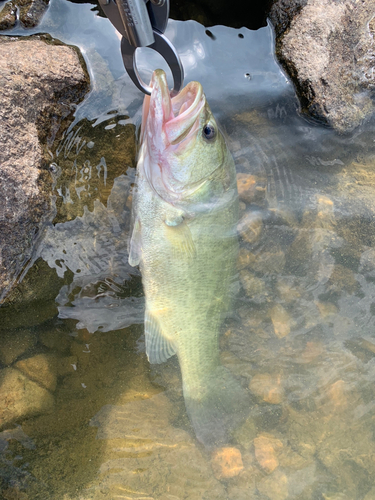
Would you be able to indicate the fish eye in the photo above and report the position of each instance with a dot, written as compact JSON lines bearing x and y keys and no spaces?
{"x":209,"y":131}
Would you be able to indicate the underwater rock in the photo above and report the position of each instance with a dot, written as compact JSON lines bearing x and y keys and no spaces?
{"x":274,"y":486}
{"x":249,"y":189}
{"x":66,"y":365}
{"x":27,"y":12}
{"x":14,"y":343}
{"x":254,"y":287}
{"x":267,"y":387}
{"x":245,"y":434}
{"x":266,"y":447}
{"x":245,"y":259}
{"x":342,"y":278}
{"x":226,"y":462}
{"x":269,"y":262}
{"x":38,"y":79}
{"x":281,"y":321}
{"x":55,"y":340}
{"x":327,"y":48}
{"x":40,"y":368}
{"x":147,"y":456}
{"x":21,"y":398}
{"x":250,"y":226}
{"x":32,"y":301}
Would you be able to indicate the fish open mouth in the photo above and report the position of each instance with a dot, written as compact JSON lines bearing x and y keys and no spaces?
{"x":177,"y":117}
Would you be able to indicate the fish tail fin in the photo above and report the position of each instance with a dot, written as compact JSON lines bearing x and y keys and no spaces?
{"x":219,"y":408}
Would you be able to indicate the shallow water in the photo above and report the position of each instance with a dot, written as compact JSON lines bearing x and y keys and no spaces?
{"x":301,"y":331}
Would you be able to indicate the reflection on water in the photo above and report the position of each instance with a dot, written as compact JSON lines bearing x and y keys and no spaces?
{"x":97,"y":421}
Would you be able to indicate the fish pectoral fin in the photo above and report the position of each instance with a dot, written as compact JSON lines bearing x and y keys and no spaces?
{"x":135,"y":245}
{"x":179,"y":236}
{"x":158,"y":348}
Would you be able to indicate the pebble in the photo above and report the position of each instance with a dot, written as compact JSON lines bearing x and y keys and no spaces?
{"x":250,"y":226}
{"x":21,"y":398}
{"x":342,"y":278}
{"x":254,"y":287}
{"x":287,"y":292}
{"x":274,"y":486}
{"x":312,"y":351}
{"x":249,"y":189}
{"x":245,"y":259}
{"x":326,"y":308}
{"x":15,"y":343}
{"x":325,"y":214}
{"x":40,"y":368}
{"x":369,"y":346}
{"x":226,"y":462}
{"x":265,"y":451}
{"x":267,"y":387}
{"x":281,"y":321}
{"x":245,"y":434}
{"x":337,"y":395}
{"x":269,"y":262}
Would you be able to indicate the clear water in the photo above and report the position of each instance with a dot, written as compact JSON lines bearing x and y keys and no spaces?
{"x":301,"y":332}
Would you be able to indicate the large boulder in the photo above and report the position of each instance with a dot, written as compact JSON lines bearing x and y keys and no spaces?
{"x":40,"y":81}
{"x":328,"y":50}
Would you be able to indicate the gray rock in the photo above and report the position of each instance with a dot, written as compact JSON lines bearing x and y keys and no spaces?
{"x":327,"y":48}
{"x":21,"y":398}
{"x":14,"y":343}
{"x":36,"y":79}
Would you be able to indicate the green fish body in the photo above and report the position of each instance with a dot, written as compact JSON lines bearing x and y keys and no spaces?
{"x":185,"y":212}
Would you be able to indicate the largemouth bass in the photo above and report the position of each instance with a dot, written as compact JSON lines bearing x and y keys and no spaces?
{"x":185,"y":211}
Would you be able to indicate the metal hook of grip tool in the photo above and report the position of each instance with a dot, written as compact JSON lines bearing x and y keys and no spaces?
{"x":142,"y":24}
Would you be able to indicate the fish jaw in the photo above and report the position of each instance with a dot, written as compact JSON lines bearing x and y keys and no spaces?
{"x":168,"y":120}
{"x":169,"y":127}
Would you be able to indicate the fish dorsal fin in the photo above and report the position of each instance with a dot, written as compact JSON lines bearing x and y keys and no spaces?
{"x":158,"y":348}
{"x":179,"y":236}
{"x":135,"y":245}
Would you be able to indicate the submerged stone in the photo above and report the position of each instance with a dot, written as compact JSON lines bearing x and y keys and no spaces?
{"x":40,"y":368}
{"x":267,"y":387}
{"x":250,"y":190}
{"x":266,"y":447}
{"x":55,"y":339}
{"x":274,"y":486}
{"x":21,"y":398}
{"x":226,"y":462}
{"x":245,"y":259}
{"x":250,"y":227}
{"x":281,"y":321}
{"x":254,"y":287}
{"x":14,"y":343}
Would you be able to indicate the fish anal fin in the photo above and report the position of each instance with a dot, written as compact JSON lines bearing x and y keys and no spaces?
{"x":135,"y":245}
{"x":179,"y":236}
{"x":158,"y":348}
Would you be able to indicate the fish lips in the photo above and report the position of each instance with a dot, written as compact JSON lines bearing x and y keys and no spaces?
{"x":172,"y":119}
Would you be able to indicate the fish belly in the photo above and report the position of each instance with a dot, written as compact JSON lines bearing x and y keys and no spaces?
{"x":187,"y":298}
